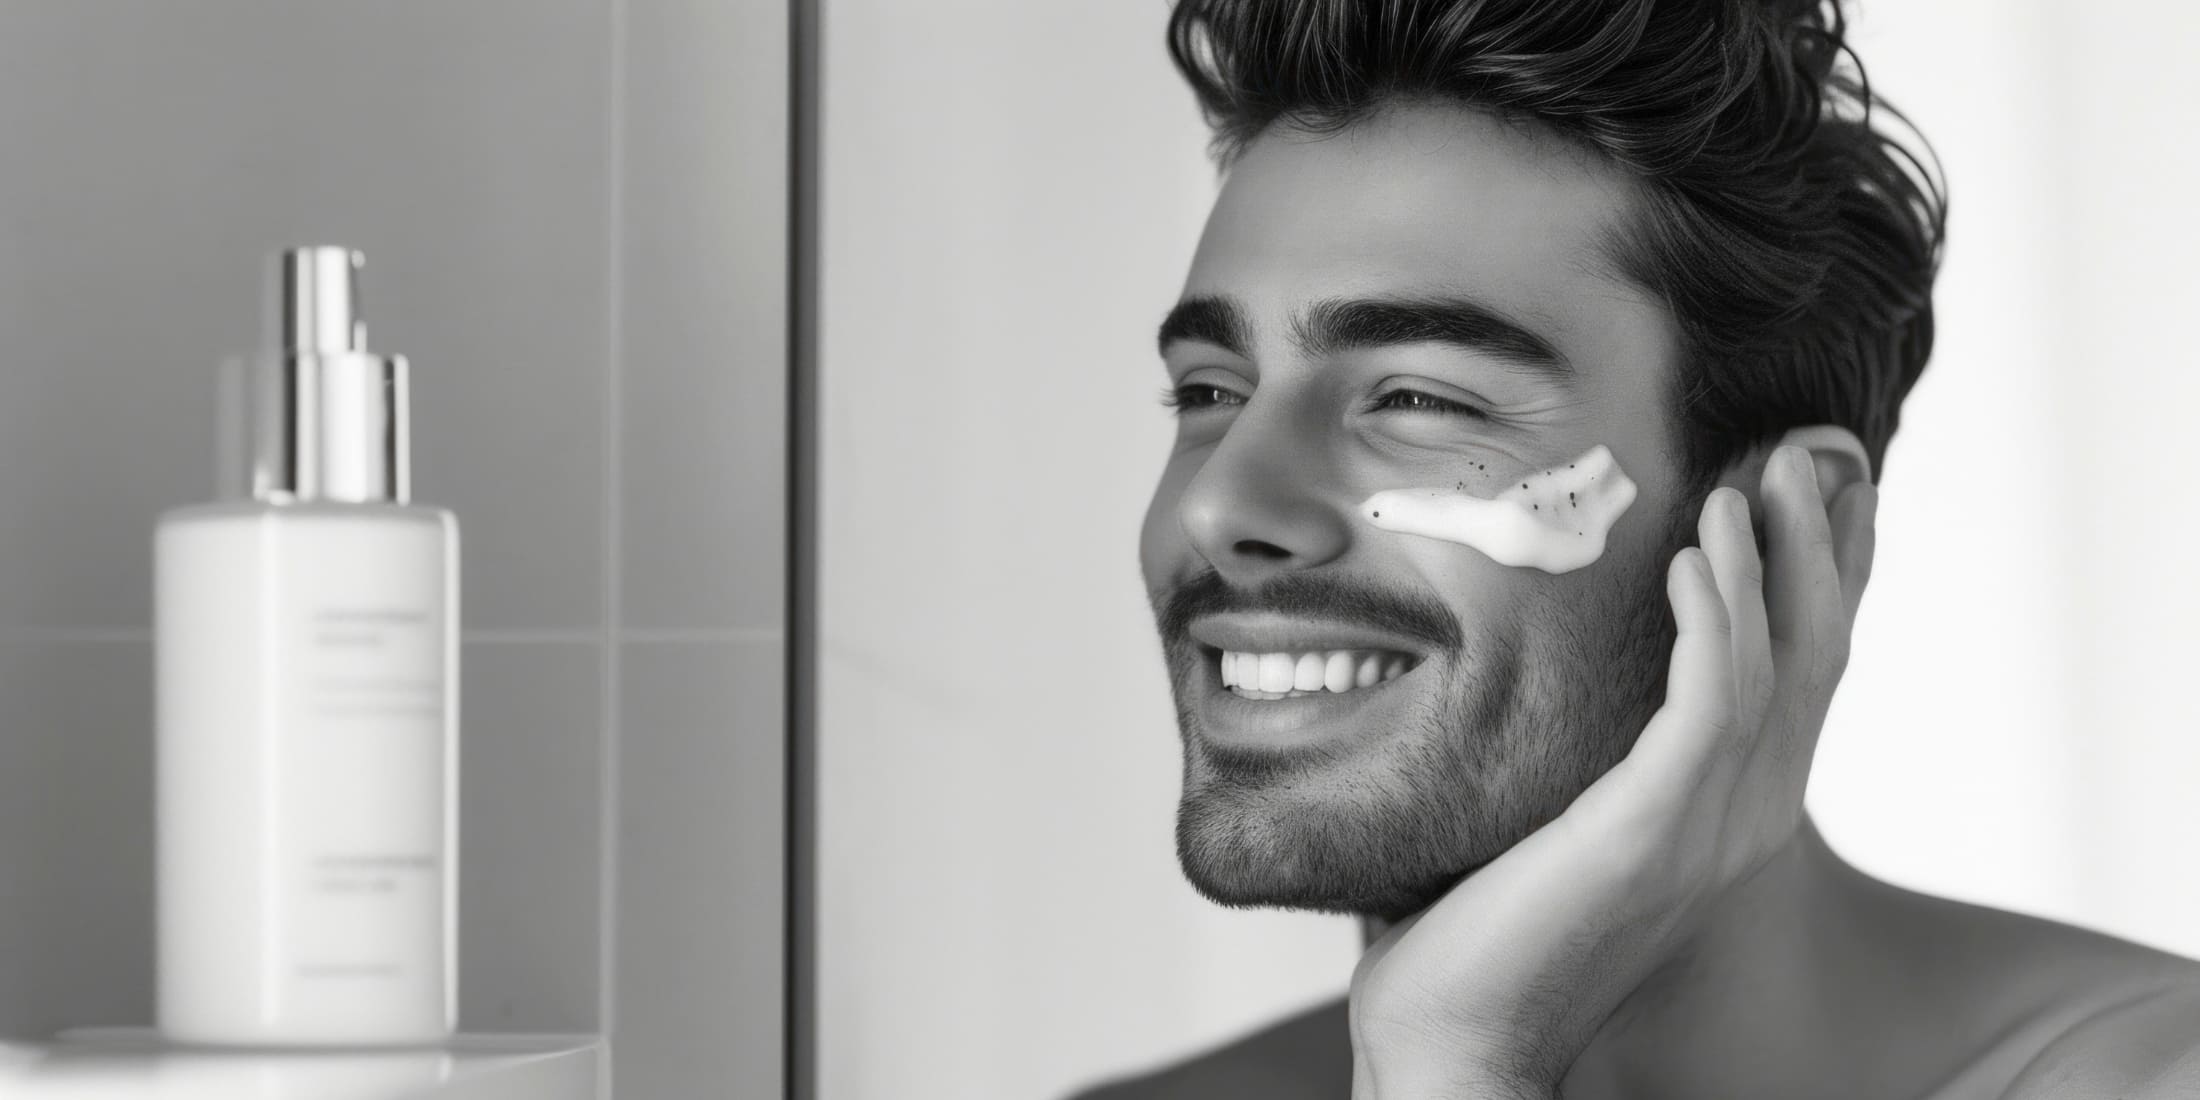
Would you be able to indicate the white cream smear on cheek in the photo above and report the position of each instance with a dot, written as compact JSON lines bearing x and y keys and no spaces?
{"x":1555,"y":520}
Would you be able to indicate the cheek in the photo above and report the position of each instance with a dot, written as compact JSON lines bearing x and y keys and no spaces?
{"x":1649,"y":535}
{"x":1448,"y":569}
{"x":1489,"y":600}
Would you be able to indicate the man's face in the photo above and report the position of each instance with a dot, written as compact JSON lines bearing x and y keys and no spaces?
{"x":1303,"y":390}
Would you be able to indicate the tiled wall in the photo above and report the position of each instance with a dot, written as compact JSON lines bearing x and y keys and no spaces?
{"x":574,"y":221}
{"x":701,"y":470}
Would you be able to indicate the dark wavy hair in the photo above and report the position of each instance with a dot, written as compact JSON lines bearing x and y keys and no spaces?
{"x":1795,"y":243}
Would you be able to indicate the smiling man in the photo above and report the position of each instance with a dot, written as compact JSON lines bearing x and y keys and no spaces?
{"x":1468,"y":254}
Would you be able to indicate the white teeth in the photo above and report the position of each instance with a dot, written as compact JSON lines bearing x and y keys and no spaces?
{"x":1370,"y":672}
{"x":1337,"y":671}
{"x":1280,"y":675}
{"x":1307,"y":674}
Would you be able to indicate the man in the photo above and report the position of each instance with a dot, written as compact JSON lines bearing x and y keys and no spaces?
{"x":1461,"y":246}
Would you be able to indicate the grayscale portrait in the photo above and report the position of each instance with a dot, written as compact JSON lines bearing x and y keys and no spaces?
{"x":1090,"y":550}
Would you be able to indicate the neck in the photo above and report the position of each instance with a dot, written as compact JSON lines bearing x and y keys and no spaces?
{"x":1763,"y":974}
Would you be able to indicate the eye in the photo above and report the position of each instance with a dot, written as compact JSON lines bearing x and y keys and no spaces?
{"x":1197,"y":396}
{"x":1417,"y":401}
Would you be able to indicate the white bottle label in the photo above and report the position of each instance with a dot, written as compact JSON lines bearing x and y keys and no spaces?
{"x":365,"y":711}
{"x":307,"y":703}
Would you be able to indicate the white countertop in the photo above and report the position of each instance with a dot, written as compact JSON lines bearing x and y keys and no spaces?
{"x":134,"y":1063}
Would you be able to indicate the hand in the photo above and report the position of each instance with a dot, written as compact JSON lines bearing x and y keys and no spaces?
{"x":1495,"y":989}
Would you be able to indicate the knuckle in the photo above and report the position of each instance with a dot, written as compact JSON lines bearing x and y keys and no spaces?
{"x":1734,"y":752}
{"x":1750,"y":574}
{"x":1825,"y":664}
{"x":1758,"y":691}
{"x":1784,"y":749}
{"x":1829,"y":675}
{"x":1719,"y":723}
{"x":1753,"y":690}
{"x":1731,"y":745}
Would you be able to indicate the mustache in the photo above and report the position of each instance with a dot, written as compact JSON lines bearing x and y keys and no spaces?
{"x":1413,"y":614}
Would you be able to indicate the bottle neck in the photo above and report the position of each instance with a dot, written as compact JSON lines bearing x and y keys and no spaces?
{"x":327,"y":427}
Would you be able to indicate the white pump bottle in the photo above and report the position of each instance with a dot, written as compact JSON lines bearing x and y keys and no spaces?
{"x":306,"y":668}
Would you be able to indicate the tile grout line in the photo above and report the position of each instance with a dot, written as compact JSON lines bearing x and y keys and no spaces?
{"x":69,"y":634}
{"x":702,"y":635}
{"x":696,"y":635}
{"x":607,"y":913}
{"x":526,"y":636}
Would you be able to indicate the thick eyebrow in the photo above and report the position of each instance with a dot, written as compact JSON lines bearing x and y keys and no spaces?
{"x":1208,"y":318}
{"x":1337,"y":324}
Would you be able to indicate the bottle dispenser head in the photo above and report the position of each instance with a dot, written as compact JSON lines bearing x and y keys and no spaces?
{"x":315,"y":415}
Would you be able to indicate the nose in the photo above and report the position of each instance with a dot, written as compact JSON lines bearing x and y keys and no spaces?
{"x":1261,"y":504}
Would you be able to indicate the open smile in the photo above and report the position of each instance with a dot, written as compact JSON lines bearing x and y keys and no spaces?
{"x":1289,"y":675}
{"x":1270,"y":681}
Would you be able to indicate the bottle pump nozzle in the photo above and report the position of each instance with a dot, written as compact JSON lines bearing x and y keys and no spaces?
{"x":325,"y":419}
{"x":318,"y":304}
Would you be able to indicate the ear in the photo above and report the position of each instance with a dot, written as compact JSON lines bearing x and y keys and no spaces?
{"x":1840,"y":461}
{"x":1835,"y":451}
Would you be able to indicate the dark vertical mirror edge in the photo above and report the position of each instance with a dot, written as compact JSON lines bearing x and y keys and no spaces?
{"x":801,"y":635}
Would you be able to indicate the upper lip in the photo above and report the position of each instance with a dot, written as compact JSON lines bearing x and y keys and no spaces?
{"x":1271,"y":632}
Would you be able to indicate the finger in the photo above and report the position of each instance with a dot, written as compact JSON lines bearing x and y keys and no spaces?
{"x":1808,"y":624}
{"x":1727,"y":539}
{"x":1803,"y":588}
{"x":1856,"y":519}
{"x":1811,"y":586}
{"x":1682,"y":742}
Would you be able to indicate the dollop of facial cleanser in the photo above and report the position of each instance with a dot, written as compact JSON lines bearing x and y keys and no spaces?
{"x":1555,"y":521}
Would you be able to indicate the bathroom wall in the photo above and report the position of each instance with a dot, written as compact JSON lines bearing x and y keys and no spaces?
{"x":2123,"y":354}
{"x":574,"y":221}
{"x":2017,"y":729}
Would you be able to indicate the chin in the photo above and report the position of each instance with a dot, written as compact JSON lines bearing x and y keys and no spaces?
{"x":1226,"y":879}
{"x":1310,"y":842}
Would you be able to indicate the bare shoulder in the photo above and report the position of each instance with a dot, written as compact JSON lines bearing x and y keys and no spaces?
{"x":1308,"y":1055}
{"x":2062,"y":1010}
{"x":2025,"y":1008}
{"x":2144,"y":1046}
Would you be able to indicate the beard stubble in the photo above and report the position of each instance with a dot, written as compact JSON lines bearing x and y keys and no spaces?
{"x":1502,"y":744}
